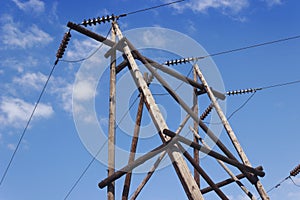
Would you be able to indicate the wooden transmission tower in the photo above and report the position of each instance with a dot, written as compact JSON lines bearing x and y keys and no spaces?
{"x":172,"y":142}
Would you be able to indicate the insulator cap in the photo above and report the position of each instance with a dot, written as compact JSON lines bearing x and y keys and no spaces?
{"x":63,"y":45}
{"x":99,"y":20}
{"x":295,"y":171}
{"x":236,"y":92}
{"x":206,"y":112}
{"x":178,"y":61}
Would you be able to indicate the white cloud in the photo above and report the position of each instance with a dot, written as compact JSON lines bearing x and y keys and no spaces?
{"x":11,"y":147}
{"x":32,"y":80}
{"x":294,"y":195}
{"x":15,"y":112}
{"x":81,"y":48}
{"x":64,"y":92}
{"x":232,"y":6}
{"x":53,"y":16}
{"x":150,"y":38}
{"x":13,"y":36}
{"x":36,"y":6}
{"x":19,"y":63}
{"x":83,"y":90}
{"x":271,"y":3}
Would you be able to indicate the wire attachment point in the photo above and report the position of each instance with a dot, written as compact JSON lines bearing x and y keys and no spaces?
{"x":295,"y":171}
{"x":244,"y":91}
{"x":99,"y":20}
{"x":63,"y":45}
{"x":178,"y":61}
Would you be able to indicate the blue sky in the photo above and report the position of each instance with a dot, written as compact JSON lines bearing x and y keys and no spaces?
{"x":52,"y":156}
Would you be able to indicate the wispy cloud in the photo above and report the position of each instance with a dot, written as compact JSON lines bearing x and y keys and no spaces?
{"x":64,"y":91}
{"x":36,"y":6}
{"x":15,"y":36}
{"x":84,"y":90}
{"x":271,"y":3}
{"x":11,"y":146}
{"x":15,"y":112}
{"x":32,"y":80}
{"x":19,"y":63}
{"x":225,"y":6}
{"x":81,"y":49}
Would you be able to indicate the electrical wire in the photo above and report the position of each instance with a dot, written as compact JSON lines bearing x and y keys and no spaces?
{"x":292,"y":173}
{"x":249,"y":47}
{"x":242,"y":106}
{"x":281,"y":84}
{"x":85,"y":170}
{"x":150,"y":8}
{"x":254,"y":92}
{"x":294,"y":182}
{"x":27,"y":124}
{"x":277,"y":185}
{"x":98,"y":152}
{"x":280,"y":183}
{"x":89,"y":56}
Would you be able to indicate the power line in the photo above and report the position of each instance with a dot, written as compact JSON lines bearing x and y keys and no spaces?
{"x":89,"y":56}
{"x":294,"y":182}
{"x":242,"y":106}
{"x":250,"y":47}
{"x":151,"y":8}
{"x":253,"y":91}
{"x":259,"y":89}
{"x":27,"y":124}
{"x":187,"y":60}
{"x":280,"y":183}
{"x":108,"y":18}
{"x":85,"y":170}
{"x":281,"y":84}
{"x":100,"y":149}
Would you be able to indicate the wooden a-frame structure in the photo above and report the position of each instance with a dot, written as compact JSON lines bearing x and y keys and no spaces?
{"x":171,"y":141}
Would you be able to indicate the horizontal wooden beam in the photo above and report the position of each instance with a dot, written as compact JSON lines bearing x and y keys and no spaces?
{"x":136,"y":163}
{"x":227,"y":181}
{"x":118,"y":47}
{"x":213,"y":153}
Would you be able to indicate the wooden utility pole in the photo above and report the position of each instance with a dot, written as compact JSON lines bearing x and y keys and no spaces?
{"x":172,"y":141}
{"x":112,"y":121}
{"x":190,"y":186}
{"x":229,"y":130}
{"x":196,"y":128}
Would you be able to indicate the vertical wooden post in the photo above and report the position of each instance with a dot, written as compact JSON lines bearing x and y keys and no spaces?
{"x":133,"y":147}
{"x":196,"y":128}
{"x":112,"y":121}
{"x":190,"y":186}
{"x":229,"y":130}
